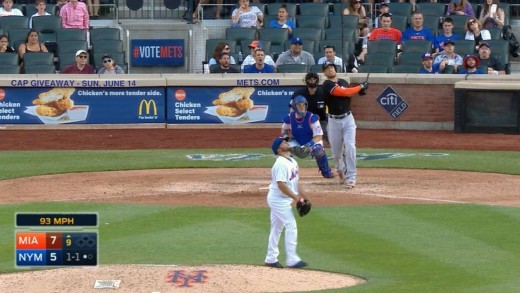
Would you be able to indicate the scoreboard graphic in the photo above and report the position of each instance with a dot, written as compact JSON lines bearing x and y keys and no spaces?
{"x":43,"y":240}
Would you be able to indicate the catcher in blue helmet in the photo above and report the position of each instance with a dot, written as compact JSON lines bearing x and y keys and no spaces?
{"x":304,"y":129}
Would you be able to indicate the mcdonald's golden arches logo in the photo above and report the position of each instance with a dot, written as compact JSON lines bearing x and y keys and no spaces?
{"x":147,"y":104}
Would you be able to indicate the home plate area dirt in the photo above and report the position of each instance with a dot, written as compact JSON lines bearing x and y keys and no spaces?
{"x":237,"y":188}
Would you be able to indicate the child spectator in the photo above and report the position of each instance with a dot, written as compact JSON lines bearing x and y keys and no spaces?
{"x":283,"y":20}
{"x":110,"y":66}
{"x":8,"y":9}
{"x":4,"y":45}
{"x":40,"y":10}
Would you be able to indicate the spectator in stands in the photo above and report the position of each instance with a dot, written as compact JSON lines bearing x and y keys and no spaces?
{"x":259,"y":66}
{"x":81,"y":65}
{"x":447,"y":28}
{"x":427,"y":64}
{"x":283,"y":20}
{"x":460,"y":7}
{"x":355,"y":7}
{"x":74,"y":14}
{"x":93,"y":8}
{"x":199,"y":7}
{"x":330,"y":56}
{"x":417,"y":31}
{"x":296,"y":55}
{"x":219,"y":48}
{"x":475,"y":32}
{"x":40,"y":10}
{"x":383,"y":8}
{"x":448,"y":61}
{"x":492,"y":64}
{"x":247,"y":16}
{"x":110,"y":66}
{"x":4,"y":45}
{"x":31,"y":45}
{"x":223,"y":65}
{"x":250,"y":59}
{"x":59,"y":5}
{"x":491,"y":14}
{"x":8,"y":9}
{"x":470,"y":65}
{"x":385,"y":32}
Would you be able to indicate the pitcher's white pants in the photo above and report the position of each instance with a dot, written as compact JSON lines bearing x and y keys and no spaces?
{"x":282,"y":217}
{"x":342,"y":139}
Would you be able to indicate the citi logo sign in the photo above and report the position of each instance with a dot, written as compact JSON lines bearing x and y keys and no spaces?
{"x":392,"y":102}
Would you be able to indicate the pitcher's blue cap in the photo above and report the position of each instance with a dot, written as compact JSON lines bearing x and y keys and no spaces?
{"x":276,"y":143}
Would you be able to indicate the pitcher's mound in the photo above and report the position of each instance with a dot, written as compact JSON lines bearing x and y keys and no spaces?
{"x":171,"y":278}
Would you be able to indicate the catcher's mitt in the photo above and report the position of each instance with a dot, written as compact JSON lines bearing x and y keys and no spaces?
{"x":301,"y":151}
{"x":303,"y":207}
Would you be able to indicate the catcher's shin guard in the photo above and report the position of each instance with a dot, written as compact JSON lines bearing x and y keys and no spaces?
{"x":321,"y":159}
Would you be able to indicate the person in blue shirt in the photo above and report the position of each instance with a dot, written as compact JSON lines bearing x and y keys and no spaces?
{"x":447,"y":34}
{"x":427,"y":64}
{"x":417,"y":31}
{"x":283,"y":20}
{"x":305,"y":130}
{"x":470,"y":65}
{"x":260,"y":66}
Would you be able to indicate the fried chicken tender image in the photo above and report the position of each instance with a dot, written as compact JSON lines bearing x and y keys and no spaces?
{"x":57,"y":99}
{"x":44,"y":110}
{"x":234,"y":102}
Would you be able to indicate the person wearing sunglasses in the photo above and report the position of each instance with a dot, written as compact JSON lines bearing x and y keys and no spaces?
{"x":81,"y":65}
{"x":474,"y":32}
{"x":110,"y":66}
{"x":219,"y":48}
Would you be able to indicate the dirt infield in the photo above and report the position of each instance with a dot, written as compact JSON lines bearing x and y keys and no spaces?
{"x":238,"y":188}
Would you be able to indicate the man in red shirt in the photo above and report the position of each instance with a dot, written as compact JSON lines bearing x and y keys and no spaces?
{"x":385,"y":32}
{"x":81,"y":66}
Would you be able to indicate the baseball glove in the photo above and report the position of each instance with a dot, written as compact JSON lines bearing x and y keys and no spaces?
{"x":301,"y":152}
{"x":303,"y":207}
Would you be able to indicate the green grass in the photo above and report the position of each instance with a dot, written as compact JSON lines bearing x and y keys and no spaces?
{"x":17,"y":164}
{"x":398,"y":248}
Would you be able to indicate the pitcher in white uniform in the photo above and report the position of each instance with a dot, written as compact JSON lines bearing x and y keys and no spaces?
{"x":284,"y":188}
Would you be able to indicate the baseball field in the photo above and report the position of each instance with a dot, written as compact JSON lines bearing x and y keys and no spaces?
{"x":185,"y":210}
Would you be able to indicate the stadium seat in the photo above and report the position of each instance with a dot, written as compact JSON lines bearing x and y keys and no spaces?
{"x":496,"y":33}
{"x":65,"y":58}
{"x":459,"y":21}
{"x":419,"y":46}
{"x":260,"y":6}
{"x":384,"y":59}
{"x":11,"y":22}
{"x":292,"y":68}
{"x":405,"y":69}
{"x":382,"y":46}
{"x":8,"y":59}
{"x":346,"y":21}
{"x":314,"y":9}
{"x":70,"y":34}
{"x":17,"y":36}
{"x":276,"y":36}
{"x":104,"y":33}
{"x":431,"y":8}
{"x":432,"y":23}
{"x":400,"y":22}
{"x":317,"y":68}
{"x":311,"y":21}
{"x":464,"y":47}
{"x":500,"y":48}
{"x":212,"y":43}
{"x":400,"y":8}
{"x":414,"y":58}
{"x":373,"y":69}
{"x":337,"y":8}
{"x":108,"y":46}
{"x":38,"y":58}
{"x":272,"y":9}
{"x":39,"y":69}
{"x":47,"y":26}
{"x":311,"y":34}
{"x":9,"y":69}
{"x":347,"y":34}
{"x":241,"y":33}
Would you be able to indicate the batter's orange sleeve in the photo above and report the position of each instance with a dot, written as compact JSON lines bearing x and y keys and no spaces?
{"x":340,"y":91}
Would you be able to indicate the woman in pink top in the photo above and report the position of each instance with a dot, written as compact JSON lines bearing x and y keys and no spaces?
{"x":74,"y":14}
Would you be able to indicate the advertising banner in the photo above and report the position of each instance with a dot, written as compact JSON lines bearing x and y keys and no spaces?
{"x":60,"y":105}
{"x":148,"y":53}
{"x":231,"y":105}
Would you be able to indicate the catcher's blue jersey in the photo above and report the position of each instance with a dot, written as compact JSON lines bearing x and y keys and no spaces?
{"x":301,"y":128}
